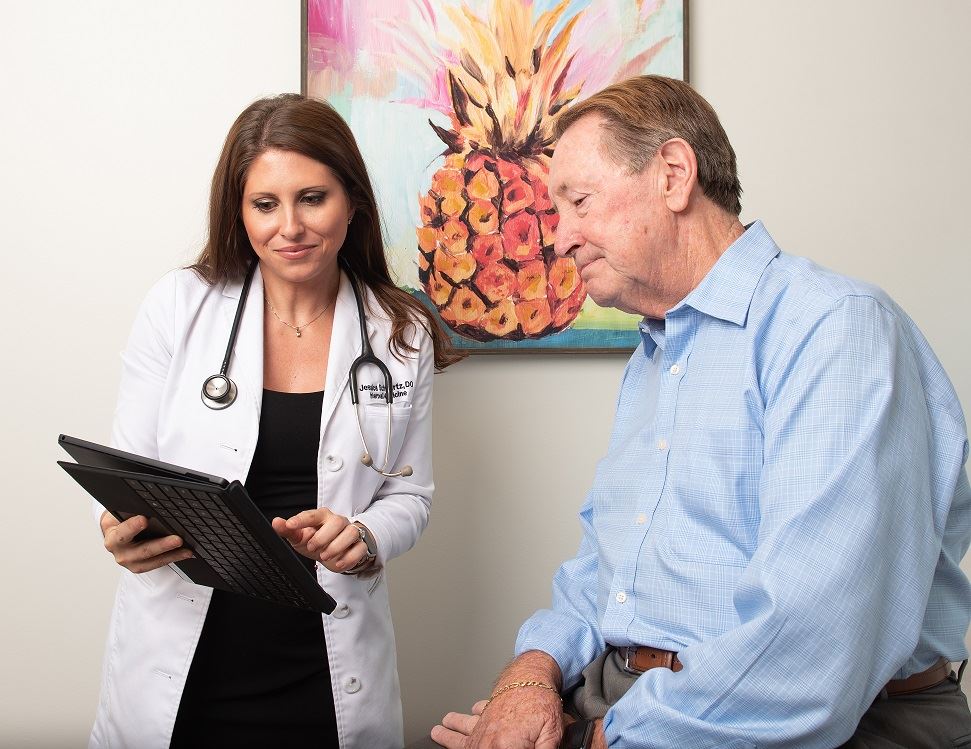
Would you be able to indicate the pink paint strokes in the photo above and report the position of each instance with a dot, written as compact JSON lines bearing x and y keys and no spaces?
{"x":353,"y":50}
{"x":487,"y":78}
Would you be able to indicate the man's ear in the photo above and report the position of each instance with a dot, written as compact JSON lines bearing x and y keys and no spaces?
{"x":679,"y":173}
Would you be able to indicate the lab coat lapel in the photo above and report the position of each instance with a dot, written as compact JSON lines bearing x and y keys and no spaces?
{"x":246,"y":364}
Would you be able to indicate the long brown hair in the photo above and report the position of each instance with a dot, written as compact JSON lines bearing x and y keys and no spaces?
{"x":291,"y":122}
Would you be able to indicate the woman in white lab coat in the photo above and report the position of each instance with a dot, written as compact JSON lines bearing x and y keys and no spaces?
{"x":189,"y":666}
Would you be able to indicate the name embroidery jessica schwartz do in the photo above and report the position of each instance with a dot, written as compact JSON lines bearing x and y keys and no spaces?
{"x":377,"y":390}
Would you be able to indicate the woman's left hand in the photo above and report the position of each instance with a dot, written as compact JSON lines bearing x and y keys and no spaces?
{"x":323,"y":536}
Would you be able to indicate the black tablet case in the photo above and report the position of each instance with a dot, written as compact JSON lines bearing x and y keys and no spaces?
{"x":235,"y":548}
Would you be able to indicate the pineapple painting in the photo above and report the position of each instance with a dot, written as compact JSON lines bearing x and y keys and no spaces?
{"x":486,"y":78}
{"x":486,"y":241}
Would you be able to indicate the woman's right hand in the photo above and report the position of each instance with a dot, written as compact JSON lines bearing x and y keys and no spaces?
{"x":139,"y":556}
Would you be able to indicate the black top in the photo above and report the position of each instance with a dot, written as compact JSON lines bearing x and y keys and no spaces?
{"x":260,"y":676}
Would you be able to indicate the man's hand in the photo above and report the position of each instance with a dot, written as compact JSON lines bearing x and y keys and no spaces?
{"x":456,"y":728}
{"x":459,"y":727}
{"x":519,"y":718}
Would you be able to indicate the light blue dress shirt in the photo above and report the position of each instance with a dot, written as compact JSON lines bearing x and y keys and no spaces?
{"x":783,"y":502}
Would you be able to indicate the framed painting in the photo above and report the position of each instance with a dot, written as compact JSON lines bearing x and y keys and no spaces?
{"x":452,"y":103}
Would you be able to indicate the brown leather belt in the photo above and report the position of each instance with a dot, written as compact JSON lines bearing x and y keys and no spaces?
{"x":644,"y":658}
{"x":918,"y":682}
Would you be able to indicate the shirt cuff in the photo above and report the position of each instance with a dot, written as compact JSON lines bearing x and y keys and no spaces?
{"x":573,"y":645}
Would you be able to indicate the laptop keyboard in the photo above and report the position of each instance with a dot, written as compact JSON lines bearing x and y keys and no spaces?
{"x":222,"y":541}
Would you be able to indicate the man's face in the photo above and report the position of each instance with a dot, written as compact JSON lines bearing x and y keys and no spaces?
{"x":615,"y":225}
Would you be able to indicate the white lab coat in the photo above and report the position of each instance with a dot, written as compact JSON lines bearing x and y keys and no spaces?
{"x":179,"y":339}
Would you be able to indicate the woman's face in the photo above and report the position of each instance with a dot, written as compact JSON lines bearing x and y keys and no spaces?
{"x":296,"y":213}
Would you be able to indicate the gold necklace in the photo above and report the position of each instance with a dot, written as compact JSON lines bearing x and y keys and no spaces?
{"x":298,"y":328}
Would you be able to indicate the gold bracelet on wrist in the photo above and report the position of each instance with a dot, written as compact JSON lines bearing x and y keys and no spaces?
{"x":518,"y":684}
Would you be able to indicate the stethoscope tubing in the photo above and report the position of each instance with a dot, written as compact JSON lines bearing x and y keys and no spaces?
{"x":219,"y":391}
{"x":367,"y":357}
{"x":234,"y":333}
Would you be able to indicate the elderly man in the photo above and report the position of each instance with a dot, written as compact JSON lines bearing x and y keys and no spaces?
{"x":771,"y":544}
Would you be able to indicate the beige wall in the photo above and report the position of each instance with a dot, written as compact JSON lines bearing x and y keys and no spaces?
{"x":850,"y":120}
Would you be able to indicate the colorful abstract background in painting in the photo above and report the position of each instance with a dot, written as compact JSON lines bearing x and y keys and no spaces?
{"x":451,"y":103}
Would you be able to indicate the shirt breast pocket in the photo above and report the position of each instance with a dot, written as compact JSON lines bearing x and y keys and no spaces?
{"x":384,"y":432}
{"x":713,"y":495}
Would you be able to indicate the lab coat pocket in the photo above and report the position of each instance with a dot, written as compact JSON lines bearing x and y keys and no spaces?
{"x":149,"y":579}
{"x":376,"y":428}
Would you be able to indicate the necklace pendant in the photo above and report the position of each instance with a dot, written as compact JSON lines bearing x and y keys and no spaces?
{"x":298,"y":333}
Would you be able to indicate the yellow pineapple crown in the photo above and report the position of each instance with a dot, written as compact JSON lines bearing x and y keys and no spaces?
{"x":507,"y":85}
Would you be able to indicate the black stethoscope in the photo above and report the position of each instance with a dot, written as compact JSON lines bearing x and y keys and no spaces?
{"x":219,"y":391}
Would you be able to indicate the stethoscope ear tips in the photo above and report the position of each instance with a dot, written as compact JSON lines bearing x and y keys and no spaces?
{"x":405,"y":470}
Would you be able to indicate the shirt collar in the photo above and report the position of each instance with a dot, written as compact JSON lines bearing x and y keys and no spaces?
{"x":726,"y":291}
{"x":652,"y":335}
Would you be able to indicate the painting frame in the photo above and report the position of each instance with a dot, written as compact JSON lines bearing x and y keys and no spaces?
{"x":553,"y":344}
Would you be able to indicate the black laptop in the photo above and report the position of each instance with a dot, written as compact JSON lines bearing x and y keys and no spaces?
{"x":235,"y":547}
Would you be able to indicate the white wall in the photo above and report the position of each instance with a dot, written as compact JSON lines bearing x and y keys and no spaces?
{"x":850,"y":121}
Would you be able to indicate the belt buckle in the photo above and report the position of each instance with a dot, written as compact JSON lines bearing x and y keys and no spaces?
{"x":627,"y":665}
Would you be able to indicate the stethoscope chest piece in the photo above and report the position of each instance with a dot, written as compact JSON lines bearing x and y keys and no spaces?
{"x":218,"y":392}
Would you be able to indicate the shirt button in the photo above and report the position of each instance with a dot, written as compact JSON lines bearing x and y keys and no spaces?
{"x":662,"y":444}
{"x":333,"y":462}
{"x":352,"y":685}
{"x":675,"y":369}
{"x":621,"y":597}
{"x":341,"y":611}
{"x":641,"y":519}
